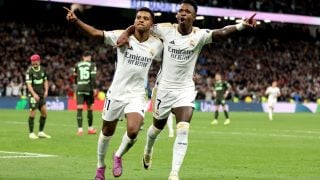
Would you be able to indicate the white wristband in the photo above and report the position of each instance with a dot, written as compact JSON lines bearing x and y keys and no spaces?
{"x":240,"y":26}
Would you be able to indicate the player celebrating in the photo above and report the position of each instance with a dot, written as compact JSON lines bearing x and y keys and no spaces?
{"x":220,"y":92}
{"x":176,"y":89}
{"x":85,"y":75}
{"x":127,"y":93}
{"x":273,"y":92}
{"x":37,"y":84}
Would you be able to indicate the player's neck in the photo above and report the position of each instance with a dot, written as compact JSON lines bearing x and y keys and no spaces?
{"x":141,"y":36}
{"x":184,"y":30}
{"x":36,"y":69}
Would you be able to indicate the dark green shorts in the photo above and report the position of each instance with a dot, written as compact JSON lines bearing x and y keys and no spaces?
{"x":220,"y":102}
{"x":86,"y":97}
{"x":33,"y":104}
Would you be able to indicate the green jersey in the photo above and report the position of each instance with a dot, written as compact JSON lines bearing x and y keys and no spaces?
{"x":221,"y":87}
{"x":37,"y":79}
{"x":86,"y":76}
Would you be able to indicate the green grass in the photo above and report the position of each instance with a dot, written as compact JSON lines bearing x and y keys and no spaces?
{"x":251,"y":147}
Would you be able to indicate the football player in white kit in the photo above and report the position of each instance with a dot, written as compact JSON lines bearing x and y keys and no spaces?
{"x":176,"y":89}
{"x":273,"y":92}
{"x":126,"y":96}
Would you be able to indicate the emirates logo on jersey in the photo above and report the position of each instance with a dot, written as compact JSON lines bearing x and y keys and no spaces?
{"x":137,"y":60}
{"x":180,"y":54}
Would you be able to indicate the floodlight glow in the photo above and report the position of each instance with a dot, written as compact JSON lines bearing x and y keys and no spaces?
{"x":157,"y":14}
{"x":202,"y":10}
{"x":200,"y":18}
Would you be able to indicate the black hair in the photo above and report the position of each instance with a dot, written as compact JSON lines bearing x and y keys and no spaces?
{"x":147,"y":10}
{"x":192,"y":3}
{"x":87,"y":53}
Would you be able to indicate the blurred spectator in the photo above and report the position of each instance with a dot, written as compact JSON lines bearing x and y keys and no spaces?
{"x":307,"y":7}
{"x":249,"y":63}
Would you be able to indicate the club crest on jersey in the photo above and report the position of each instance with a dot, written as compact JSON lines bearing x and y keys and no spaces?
{"x":192,"y":43}
{"x":152,"y":52}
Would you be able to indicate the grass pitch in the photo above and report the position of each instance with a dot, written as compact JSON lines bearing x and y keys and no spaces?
{"x":251,"y":147}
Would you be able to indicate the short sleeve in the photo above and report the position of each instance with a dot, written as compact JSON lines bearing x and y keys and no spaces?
{"x":111,"y":37}
{"x":93,"y":68}
{"x":158,"y":56}
{"x":161,"y":29}
{"x":45,"y":76}
{"x":28,"y":76}
{"x":207,"y":35}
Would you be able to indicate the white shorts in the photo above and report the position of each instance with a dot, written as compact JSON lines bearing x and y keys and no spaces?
{"x":164,"y":100}
{"x":114,"y":109}
{"x":271,"y":102}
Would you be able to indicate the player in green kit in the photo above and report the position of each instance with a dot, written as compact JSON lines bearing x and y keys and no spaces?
{"x":220,"y":92}
{"x":85,"y":73}
{"x":37,"y":84}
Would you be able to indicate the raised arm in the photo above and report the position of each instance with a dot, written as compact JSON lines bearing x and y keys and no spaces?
{"x":89,"y":30}
{"x":225,"y":31}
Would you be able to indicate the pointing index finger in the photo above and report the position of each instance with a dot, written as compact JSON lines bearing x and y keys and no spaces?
{"x":252,"y":16}
{"x":67,"y":9}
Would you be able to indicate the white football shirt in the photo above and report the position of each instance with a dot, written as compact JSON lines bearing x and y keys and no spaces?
{"x":180,"y":54}
{"x":273,"y":93}
{"x":132,"y":65}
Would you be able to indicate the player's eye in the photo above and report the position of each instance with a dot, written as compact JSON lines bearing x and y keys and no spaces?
{"x":187,"y":11}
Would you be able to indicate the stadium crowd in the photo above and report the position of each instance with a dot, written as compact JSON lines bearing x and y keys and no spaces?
{"x":307,"y":7}
{"x":249,"y":62}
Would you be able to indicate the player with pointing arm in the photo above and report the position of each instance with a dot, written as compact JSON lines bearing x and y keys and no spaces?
{"x":126,"y":95}
{"x":176,"y":90}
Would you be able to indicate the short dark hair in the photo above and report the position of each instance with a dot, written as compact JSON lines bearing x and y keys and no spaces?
{"x":87,"y":53}
{"x":147,"y":10}
{"x":192,"y":3}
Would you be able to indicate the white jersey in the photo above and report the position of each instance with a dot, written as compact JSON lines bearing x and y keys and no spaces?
{"x":273,"y":93}
{"x":132,"y":65}
{"x":180,"y":54}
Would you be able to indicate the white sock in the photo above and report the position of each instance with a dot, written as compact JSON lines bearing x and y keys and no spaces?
{"x":90,"y":128}
{"x":80,"y":129}
{"x":103,"y":143}
{"x":151,"y":138}
{"x":180,"y":146}
{"x":125,"y":145}
{"x":169,"y":123}
{"x":270,"y":113}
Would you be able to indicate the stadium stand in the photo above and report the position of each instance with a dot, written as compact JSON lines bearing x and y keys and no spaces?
{"x":249,"y":60}
{"x":308,"y":7}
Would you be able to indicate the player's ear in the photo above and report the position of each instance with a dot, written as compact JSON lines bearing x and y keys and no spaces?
{"x":194,"y":16}
{"x":176,"y":15}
